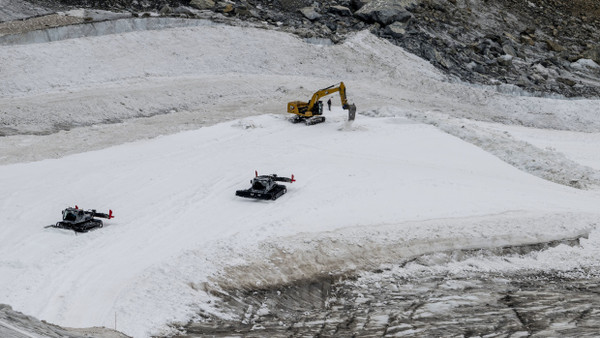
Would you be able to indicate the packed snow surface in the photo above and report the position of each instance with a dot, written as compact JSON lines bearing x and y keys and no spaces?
{"x":15,"y":9}
{"x":85,"y":117}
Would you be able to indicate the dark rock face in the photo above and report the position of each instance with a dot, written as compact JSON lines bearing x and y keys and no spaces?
{"x":389,"y":302}
{"x":432,"y":306}
{"x":503,"y":41}
{"x":533,"y":45}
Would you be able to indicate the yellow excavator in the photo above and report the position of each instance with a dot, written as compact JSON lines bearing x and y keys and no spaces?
{"x":312,"y":112}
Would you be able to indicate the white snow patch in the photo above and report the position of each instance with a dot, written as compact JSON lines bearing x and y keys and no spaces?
{"x":585,"y":65}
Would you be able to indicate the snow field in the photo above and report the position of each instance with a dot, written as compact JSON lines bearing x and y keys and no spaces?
{"x":173,"y":198}
{"x":376,"y":191}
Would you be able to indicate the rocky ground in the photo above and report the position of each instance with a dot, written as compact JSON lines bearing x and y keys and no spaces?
{"x":492,"y":305}
{"x":14,"y":324}
{"x":544,"y":47}
{"x":387,"y":302}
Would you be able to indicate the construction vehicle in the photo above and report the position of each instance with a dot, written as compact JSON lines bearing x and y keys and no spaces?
{"x":264,"y":187}
{"x":80,"y":220}
{"x":312,"y":112}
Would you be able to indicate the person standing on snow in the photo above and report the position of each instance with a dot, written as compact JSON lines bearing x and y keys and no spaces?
{"x":329,"y":104}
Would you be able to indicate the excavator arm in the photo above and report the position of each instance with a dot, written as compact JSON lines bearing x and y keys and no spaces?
{"x":328,"y":91}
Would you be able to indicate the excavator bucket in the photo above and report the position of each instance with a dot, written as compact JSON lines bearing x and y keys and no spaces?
{"x":351,"y":112}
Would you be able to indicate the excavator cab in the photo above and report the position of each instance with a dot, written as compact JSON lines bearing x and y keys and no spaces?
{"x":318,"y":108}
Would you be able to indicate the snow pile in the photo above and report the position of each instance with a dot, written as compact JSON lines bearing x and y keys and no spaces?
{"x":542,"y":161}
{"x":580,"y":147}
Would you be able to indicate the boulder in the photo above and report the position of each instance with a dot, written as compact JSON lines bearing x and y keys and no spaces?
{"x":529,"y":31}
{"x":225,"y":7}
{"x":182,"y":10}
{"x":310,"y":13}
{"x":505,"y":60}
{"x":244,"y":11}
{"x":202,"y":4}
{"x":554,"y":46}
{"x":396,"y":29}
{"x":509,"y":50}
{"x":566,"y":81}
{"x":165,"y":10}
{"x":358,"y":4}
{"x":536,"y":79}
{"x":527,"y":40}
{"x":441,"y":60}
{"x":539,"y":70}
{"x":385,"y":12}
{"x":592,"y":54}
{"x":480,"y":69}
{"x":340,"y":10}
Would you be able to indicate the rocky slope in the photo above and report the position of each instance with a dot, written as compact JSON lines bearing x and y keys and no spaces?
{"x":14,"y":324}
{"x":544,"y":47}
